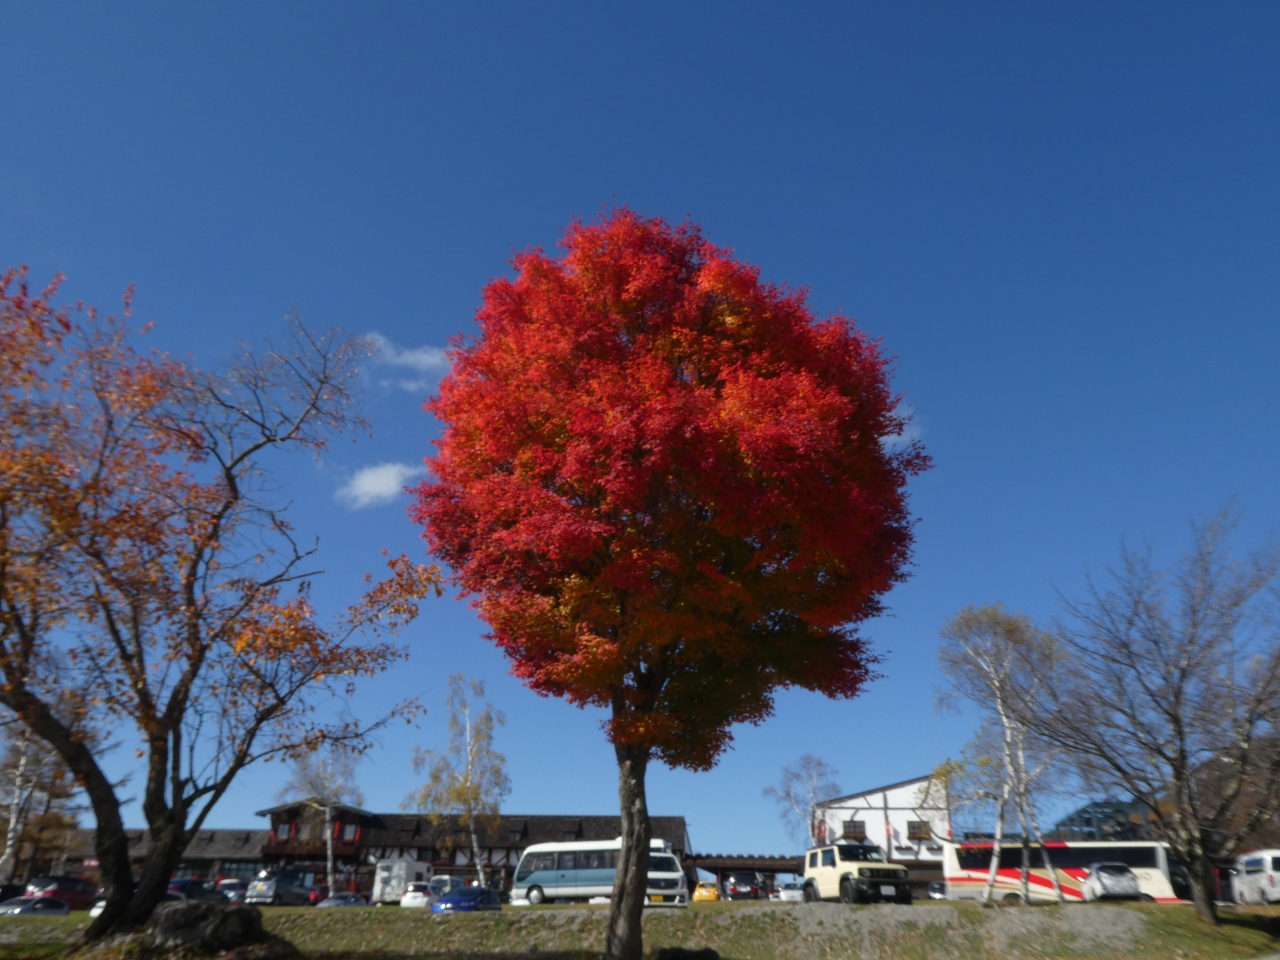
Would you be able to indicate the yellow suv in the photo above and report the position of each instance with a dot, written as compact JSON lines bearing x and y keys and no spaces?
{"x":853,"y":873}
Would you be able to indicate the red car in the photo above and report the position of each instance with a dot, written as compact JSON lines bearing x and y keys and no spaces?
{"x":317,"y":893}
{"x":77,"y":894}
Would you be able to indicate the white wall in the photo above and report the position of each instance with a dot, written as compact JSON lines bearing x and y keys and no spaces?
{"x":886,"y":813}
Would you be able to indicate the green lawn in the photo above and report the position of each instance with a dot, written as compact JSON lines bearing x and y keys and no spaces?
{"x":747,"y":931}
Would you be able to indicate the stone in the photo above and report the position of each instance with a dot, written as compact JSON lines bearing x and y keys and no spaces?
{"x":208,"y":925}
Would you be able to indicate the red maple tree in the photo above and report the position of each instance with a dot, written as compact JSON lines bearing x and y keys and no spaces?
{"x":670,"y":490}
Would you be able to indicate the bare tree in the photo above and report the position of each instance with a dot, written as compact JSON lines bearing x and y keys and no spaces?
{"x":983,"y":658}
{"x":38,"y":785}
{"x":799,"y":790}
{"x":469,"y":780}
{"x":148,"y":567}
{"x":325,"y":779}
{"x":1169,"y":691}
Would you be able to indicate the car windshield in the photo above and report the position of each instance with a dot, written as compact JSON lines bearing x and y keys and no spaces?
{"x":1112,"y":868}
{"x":43,"y":883}
{"x":740,"y":878}
{"x":418,"y":888}
{"x":860,"y":852}
{"x":663,"y":864}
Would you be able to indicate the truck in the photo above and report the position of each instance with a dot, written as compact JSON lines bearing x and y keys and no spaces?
{"x":391,"y":878}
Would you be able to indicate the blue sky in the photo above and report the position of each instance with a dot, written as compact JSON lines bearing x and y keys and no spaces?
{"x":1063,"y":219}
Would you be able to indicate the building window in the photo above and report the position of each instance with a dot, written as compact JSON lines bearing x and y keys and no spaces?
{"x":570,"y":836}
{"x":304,"y":831}
{"x":854,"y":830}
{"x":350,"y":831}
{"x":283,"y":831}
{"x":919,"y":830}
{"x":513,"y":836}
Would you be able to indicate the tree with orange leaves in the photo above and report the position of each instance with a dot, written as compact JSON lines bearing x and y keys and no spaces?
{"x":145,"y":566}
{"x":671,"y":490}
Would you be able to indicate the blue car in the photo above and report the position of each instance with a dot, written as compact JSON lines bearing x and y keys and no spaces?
{"x":465,"y":899}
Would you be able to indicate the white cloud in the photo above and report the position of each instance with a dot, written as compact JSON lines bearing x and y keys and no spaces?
{"x":430,"y":363}
{"x":910,"y":433}
{"x":380,"y":483}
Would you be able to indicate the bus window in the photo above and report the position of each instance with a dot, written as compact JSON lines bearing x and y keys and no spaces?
{"x":532,"y":863}
{"x":568,"y":860}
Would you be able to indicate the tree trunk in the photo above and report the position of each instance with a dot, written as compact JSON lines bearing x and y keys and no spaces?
{"x":623,"y":939}
{"x":995,"y":845}
{"x":475,"y":849}
{"x":17,"y":800}
{"x":167,"y":840}
{"x":1204,"y":882}
{"x":110,"y":843}
{"x":1044,"y":854}
{"x":328,"y":849}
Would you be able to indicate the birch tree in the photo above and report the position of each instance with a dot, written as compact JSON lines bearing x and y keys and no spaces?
{"x":323,"y":780}
{"x":469,"y":780}
{"x":983,"y":655}
{"x":34,"y":778}
{"x":799,"y":790}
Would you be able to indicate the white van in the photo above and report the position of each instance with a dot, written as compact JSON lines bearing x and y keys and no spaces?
{"x":1257,"y":876}
{"x":391,"y":878}
{"x":584,"y":869}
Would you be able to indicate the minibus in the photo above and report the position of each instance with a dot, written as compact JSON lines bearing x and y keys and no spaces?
{"x":583,"y":869}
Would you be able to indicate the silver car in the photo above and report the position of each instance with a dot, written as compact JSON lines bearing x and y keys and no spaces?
{"x":38,"y":906}
{"x":1111,"y":881}
{"x":344,"y":900}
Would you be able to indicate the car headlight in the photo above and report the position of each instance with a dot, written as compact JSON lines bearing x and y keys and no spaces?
{"x":863,"y":872}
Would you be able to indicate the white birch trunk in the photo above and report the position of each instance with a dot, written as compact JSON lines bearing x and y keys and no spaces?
{"x":17,"y":807}
{"x":995,"y":844}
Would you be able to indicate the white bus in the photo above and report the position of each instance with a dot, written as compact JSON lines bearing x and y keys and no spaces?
{"x":1256,"y":877}
{"x":584,"y":869}
{"x":966,"y":867}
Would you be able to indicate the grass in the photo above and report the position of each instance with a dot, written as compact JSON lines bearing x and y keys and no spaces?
{"x":745,"y":931}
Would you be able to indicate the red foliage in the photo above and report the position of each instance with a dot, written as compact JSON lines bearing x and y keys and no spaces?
{"x":669,"y":487}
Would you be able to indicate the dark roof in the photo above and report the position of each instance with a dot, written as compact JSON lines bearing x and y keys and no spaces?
{"x":512,"y":830}
{"x":205,"y":845}
{"x":311,"y":803}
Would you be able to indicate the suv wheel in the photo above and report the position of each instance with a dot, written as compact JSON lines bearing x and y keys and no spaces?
{"x":810,"y":893}
{"x":847,"y":893}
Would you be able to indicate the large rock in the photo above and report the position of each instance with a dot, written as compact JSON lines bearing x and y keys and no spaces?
{"x":208,"y":925}
{"x":195,"y":929}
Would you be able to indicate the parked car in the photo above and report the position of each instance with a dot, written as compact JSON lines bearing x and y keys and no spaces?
{"x":318,"y":893}
{"x":443,"y":884}
{"x":196,"y":889}
{"x":741,"y":885}
{"x":344,"y":900}
{"x":466,"y":899}
{"x":937,"y":889}
{"x":277,"y":888}
{"x":1111,"y":881}
{"x":42,"y":906}
{"x":418,"y":896}
{"x":75,"y":893}
{"x":789,"y":893}
{"x":234,"y":889}
{"x":706,"y":891}
{"x":853,"y":873}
